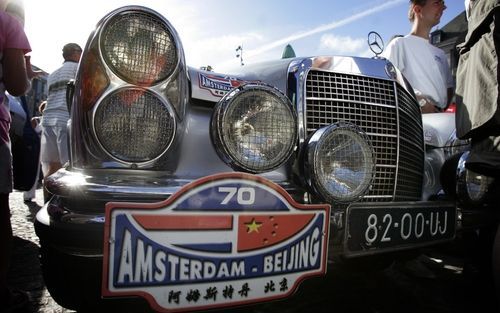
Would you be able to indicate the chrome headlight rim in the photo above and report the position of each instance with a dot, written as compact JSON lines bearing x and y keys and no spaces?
{"x":219,"y":119}
{"x":455,"y":145}
{"x":466,"y":185}
{"x":312,"y":170}
{"x":169,"y":29}
{"x":103,"y":147}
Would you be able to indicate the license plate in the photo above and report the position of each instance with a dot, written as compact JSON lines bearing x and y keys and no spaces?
{"x":379,"y":227}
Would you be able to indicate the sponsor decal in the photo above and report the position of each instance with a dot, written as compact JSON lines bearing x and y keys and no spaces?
{"x":218,"y":85}
{"x":223,"y":240}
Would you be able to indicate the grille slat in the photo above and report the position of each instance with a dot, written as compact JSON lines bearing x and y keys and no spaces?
{"x":371,"y":104}
{"x":347,"y":101}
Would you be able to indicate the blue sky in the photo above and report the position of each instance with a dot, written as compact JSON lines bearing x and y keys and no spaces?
{"x":211,"y":30}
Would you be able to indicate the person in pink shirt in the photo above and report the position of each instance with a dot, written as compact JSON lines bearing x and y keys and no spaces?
{"x":15,"y":78}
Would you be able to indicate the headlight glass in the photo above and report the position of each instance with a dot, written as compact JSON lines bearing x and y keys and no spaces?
{"x":477,"y":185}
{"x":255,"y":128}
{"x":134,"y":125}
{"x":342,"y":161}
{"x":139,"y":47}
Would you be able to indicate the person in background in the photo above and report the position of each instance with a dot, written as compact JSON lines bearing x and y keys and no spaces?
{"x":425,"y":66}
{"x":478,"y":116}
{"x":15,"y":77}
{"x":29,"y":195}
{"x":54,"y":150}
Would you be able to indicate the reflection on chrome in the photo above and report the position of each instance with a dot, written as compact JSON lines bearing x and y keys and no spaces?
{"x":73,"y":180}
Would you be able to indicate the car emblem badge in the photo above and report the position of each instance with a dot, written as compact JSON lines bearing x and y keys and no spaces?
{"x":218,"y":85}
{"x":375,"y":43}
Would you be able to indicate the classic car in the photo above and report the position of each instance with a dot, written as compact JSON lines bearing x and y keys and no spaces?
{"x":477,"y":196}
{"x":197,"y":190}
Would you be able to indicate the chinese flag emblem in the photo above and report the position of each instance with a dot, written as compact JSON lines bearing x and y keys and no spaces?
{"x":261,"y":231}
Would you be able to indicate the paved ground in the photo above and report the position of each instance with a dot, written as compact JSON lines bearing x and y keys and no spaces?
{"x":25,"y":269}
{"x":342,"y":290}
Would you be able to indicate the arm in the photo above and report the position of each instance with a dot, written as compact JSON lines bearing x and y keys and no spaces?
{"x":15,"y":75}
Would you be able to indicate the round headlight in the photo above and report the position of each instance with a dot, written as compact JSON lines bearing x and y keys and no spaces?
{"x":134,"y":125}
{"x":139,"y":47}
{"x":254,"y":128}
{"x":340,"y":162}
{"x":472,"y":189}
{"x":477,"y":185}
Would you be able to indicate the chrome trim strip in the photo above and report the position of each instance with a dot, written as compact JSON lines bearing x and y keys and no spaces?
{"x":105,"y":185}
{"x":382,"y":136}
{"x":378,"y":197}
{"x":398,"y":140}
{"x":301,"y":93}
{"x":386,"y":165}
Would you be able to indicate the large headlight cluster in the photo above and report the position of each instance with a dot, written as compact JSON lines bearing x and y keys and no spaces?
{"x":139,"y":47}
{"x":133,"y":63}
{"x":339,"y":162}
{"x":133,"y":125}
{"x":254,"y":128}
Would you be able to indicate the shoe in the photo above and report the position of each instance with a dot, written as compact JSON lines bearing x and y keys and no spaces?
{"x":16,"y":299}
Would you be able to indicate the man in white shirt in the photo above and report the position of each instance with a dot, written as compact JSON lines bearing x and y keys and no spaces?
{"x":426,"y":68}
{"x":424,"y":65}
{"x":54,"y":143}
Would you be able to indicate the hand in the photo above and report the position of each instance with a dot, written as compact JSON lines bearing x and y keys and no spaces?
{"x":429,"y":106}
{"x":35,"y":121}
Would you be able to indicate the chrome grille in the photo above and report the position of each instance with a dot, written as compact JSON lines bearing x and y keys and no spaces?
{"x":370,"y":103}
{"x":411,"y":152}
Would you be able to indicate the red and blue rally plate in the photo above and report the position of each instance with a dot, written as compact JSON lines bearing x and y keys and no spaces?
{"x":223,"y":240}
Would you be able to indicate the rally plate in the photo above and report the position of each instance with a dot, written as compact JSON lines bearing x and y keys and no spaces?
{"x":224,"y":240}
